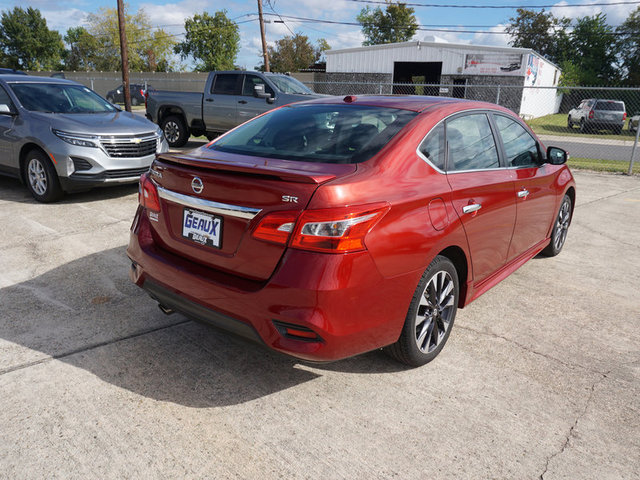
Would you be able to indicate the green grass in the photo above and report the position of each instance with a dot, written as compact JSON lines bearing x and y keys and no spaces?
{"x":602,"y":165}
{"x":557,"y":125}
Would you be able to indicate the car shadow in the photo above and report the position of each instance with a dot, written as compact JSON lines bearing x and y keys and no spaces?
{"x":86,"y":313}
{"x":12,"y":190}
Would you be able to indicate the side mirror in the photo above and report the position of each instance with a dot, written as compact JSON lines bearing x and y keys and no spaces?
{"x":6,"y":110}
{"x":118,"y":91}
{"x":259,"y":92}
{"x":557,"y":156}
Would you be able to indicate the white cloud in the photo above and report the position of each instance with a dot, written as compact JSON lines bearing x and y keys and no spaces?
{"x":62,"y":20}
{"x":498,"y":40}
{"x":616,"y":14}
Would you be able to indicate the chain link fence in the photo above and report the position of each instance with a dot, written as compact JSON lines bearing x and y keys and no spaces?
{"x":598,"y":126}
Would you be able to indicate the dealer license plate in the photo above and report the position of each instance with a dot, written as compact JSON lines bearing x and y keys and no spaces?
{"x":201,"y":227}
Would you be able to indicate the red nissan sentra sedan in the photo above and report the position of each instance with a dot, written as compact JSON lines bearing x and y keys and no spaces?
{"x":336,"y":226}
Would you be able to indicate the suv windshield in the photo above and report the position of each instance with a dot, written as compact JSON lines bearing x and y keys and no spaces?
{"x":609,"y":105}
{"x":60,"y":98}
{"x":317,"y":133}
{"x":290,"y":85}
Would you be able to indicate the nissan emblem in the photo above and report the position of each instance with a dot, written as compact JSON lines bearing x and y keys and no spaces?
{"x":197,"y":185}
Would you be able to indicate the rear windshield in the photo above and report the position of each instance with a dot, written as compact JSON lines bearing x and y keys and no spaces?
{"x":609,"y":105}
{"x":317,"y":133}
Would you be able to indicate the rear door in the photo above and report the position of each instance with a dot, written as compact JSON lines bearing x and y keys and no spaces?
{"x":482,"y":191}
{"x":220,"y":104}
{"x":533,"y":182}
{"x":8,"y":163}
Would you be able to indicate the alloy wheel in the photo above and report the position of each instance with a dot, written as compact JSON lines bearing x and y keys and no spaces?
{"x":562,"y":225}
{"x":171,"y":132}
{"x":37,"y":176}
{"x":435,"y":311}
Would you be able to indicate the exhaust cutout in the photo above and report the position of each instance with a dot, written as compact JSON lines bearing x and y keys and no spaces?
{"x":165,"y":310}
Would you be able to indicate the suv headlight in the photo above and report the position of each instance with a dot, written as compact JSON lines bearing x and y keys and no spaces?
{"x":77,"y":138}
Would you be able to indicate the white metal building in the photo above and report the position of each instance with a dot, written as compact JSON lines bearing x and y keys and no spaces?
{"x":456,"y":68}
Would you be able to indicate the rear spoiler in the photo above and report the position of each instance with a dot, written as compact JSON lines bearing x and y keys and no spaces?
{"x":314,"y":173}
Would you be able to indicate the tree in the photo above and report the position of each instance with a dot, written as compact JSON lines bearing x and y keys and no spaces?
{"x":540,"y":31}
{"x":396,"y":24}
{"x":27,"y":43}
{"x":83,"y":48}
{"x":147,"y":48}
{"x":594,"y":50}
{"x":629,"y":47}
{"x":212,"y":41}
{"x":291,"y":54}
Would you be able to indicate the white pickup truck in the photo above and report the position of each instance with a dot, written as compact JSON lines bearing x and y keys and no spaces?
{"x":229,"y":99}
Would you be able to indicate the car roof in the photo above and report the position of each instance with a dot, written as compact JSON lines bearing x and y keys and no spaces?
{"x":34,"y":79}
{"x":415,"y":103}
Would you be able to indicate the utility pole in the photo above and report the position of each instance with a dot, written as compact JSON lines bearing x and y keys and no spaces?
{"x":265,"y":54}
{"x":125,"y":58}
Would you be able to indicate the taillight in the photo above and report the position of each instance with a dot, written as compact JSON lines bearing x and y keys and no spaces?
{"x":142,"y":93}
{"x":336,"y":230}
{"x":590,"y":114}
{"x":148,"y":194}
{"x":624,"y":116}
{"x":276,"y":227}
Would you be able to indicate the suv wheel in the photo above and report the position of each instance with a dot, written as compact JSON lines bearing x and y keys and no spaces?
{"x":175,"y":131}
{"x":569,"y":122}
{"x":134,"y":101}
{"x":41,"y":177}
{"x":583,"y":126}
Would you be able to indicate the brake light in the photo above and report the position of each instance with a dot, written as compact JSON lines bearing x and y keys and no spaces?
{"x":590,"y":114}
{"x":142,"y":93}
{"x":148,"y":194}
{"x":276,"y":227}
{"x":337,"y":230}
{"x":624,"y":116}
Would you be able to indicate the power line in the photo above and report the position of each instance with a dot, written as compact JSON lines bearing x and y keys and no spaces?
{"x":511,"y":7}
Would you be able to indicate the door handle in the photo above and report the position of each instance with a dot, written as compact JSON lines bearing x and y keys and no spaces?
{"x":523,"y":193}
{"x":208,"y":99}
{"x":242,"y":101}
{"x":474,"y":207}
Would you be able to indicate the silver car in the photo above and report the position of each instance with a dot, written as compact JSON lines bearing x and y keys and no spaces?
{"x":59,"y":136}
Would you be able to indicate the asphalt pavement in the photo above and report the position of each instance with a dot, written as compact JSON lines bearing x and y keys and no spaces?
{"x":540,"y":377}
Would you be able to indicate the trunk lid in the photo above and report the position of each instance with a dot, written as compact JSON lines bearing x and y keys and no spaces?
{"x":237,"y":192}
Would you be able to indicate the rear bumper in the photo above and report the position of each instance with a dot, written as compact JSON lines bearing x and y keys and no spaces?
{"x":340,"y":298}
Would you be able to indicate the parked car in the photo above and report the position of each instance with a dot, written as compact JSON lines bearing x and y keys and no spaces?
{"x":59,"y":136}
{"x":598,"y":114}
{"x":633,"y":123}
{"x":332,"y":227}
{"x":138,"y":93}
{"x":229,"y":99}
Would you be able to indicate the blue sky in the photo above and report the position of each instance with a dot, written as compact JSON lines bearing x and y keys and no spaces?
{"x":170,"y":15}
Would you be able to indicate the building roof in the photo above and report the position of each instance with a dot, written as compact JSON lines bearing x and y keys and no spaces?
{"x":453,"y":46}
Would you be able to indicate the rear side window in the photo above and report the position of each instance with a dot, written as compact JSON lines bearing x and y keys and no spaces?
{"x":317,"y":133}
{"x":609,"y":105}
{"x":470,"y":143}
{"x":226,"y":84}
{"x":432,"y":148}
{"x":520,"y":147}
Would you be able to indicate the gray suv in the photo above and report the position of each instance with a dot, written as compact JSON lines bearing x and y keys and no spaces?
{"x":598,"y":114}
{"x":59,"y":136}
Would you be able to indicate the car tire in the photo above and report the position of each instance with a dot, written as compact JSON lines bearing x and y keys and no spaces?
{"x":569,"y":122}
{"x":431,"y":314}
{"x":134,"y":101}
{"x":41,"y":177}
{"x":583,"y":126}
{"x":175,"y":131}
{"x":560,"y":229}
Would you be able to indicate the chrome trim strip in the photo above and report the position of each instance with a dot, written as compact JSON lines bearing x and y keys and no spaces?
{"x":209,"y":206}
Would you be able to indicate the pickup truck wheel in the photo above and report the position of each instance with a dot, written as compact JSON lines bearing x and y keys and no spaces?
{"x":41,"y":177}
{"x":569,"y":122}
{"x":175,"y":131}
